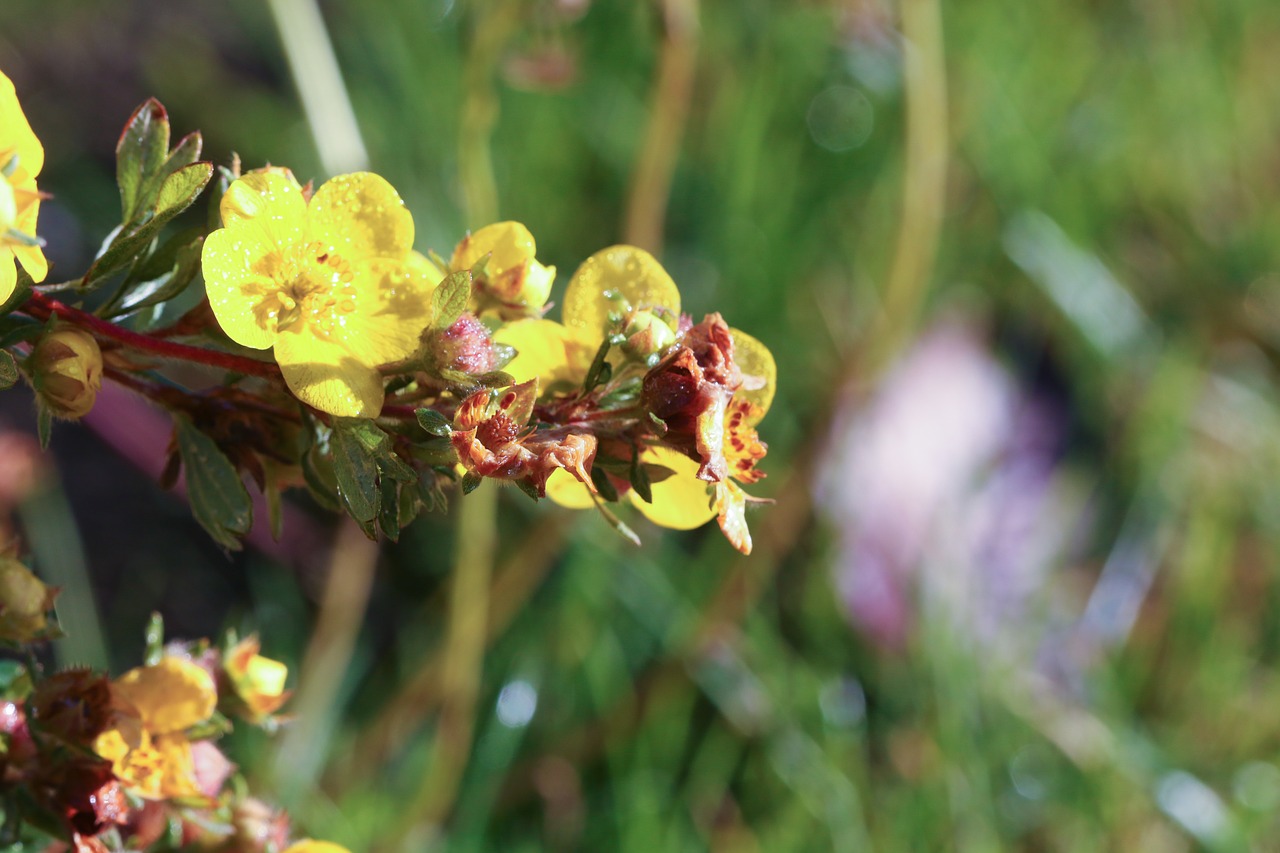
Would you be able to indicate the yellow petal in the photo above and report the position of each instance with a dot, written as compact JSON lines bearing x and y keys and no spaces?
{"x":177,"y":767}
{"x":510,"y":243}
{"x":629,"y":272}
{"x":360,"y":216}
{"x":540,"y":350}
{"x":326,"y":376}
{"x":568,"y":491}
{"x":16,"y":136}
{"x":269,"y":203}
{"x":8,"y":275}
{"x":681,"y":501}
{"x":171,"y":695}
{"x":754,"y":359}
{"x":241,"y":266}
{"x":309,"y":846}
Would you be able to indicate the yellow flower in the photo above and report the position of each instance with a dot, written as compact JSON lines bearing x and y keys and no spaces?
{"x":258,"y":681}
{"x":147,"y":743}
{"x":24,"y":603}
{"x":309,"y":846}
{"x":622,"y":280}
{"x":627,"y":282}
{"x":21,"y":158}
{"x":331,"y":283}
{"x":513,"y":278}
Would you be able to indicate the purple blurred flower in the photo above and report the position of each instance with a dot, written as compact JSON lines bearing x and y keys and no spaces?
{"x":945,"y":485}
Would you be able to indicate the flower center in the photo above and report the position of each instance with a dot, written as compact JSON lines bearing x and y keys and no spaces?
{"x":320,"y":294}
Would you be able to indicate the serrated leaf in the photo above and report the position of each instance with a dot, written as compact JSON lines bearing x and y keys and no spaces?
{"x":450,"y":299}
{"x":356,"y":472}
{"x":218,"y":497}
{"x":140,"y":151}
{"x":600,"y":371}
{"x":8,"y":370}
{"x":434,"y":422}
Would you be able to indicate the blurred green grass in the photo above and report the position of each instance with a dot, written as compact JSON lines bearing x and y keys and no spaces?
{"x":669,"y":715}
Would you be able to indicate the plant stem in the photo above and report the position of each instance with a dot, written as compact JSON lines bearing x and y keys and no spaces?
{"x":42,"y":307}
{"x":668,"y":111}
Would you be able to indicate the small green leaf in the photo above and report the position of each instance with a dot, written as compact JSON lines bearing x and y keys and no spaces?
{"x":471,"y":482}
{"x":356,"y":472}
{"x":450,"y":299}
{"x":640,"y":477}
{"x":8,"y":370}
{"x":317,"y":470}
{"x":434,"y":422}
{"x":44,"y":424}
{"x":528,"y":488}
{"x":603,"y":485}
{"x":389,"y":511}
{"x":600,"y":371}
{"x":618,"y":525}
{"x":218,"y":497}
{"x":495,"y":379}
{"x":181,"y":188}
{"x":141,"y":150}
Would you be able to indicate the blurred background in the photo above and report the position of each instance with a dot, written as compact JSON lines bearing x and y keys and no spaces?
{"x":1019,"y":264}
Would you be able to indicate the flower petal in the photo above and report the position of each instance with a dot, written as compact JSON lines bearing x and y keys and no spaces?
{"x":540,"y":350}
{"x":326,"y":376}
{"x":627,"y":271}
{"x":31,"y":257}
{"x":171,"y":695}
{"x":8,"y":275}
{"x":16,"y":136}
{"x":681,"y":501}
{"x":756,"y":362}
{"x":360,"y":216}
{"x":270,"y":204}
{"x":240,"y":266}
{"x":510,"y":243}
{"x":309,"y":846}
{"x":568,"y":491}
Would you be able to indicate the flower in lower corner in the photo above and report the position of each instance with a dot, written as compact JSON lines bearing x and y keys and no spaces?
{"x":21,"y":158}
{"x":331,"y":282}
{"x":148,"y":742}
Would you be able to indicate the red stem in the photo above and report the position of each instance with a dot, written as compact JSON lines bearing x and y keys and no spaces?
{"x":44,"y":307}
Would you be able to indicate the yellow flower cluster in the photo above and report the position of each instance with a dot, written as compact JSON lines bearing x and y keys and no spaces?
{"x":331,"y":283}
{"x":21,"y":158}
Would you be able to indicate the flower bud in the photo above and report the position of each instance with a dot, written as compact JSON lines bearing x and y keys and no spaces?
{"x":258,"y":826}
{"x":66,"y":370}
{"x":511,"y":276}
{"x":258,"y":681}
{"x":647,"y":333}
{"x":24,"y":601}
{"x":466,"y":346}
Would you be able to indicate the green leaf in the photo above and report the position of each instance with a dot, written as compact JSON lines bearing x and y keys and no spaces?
{"x":181,"y":188}
{"x":164,"y":274}
{"x":471,"y":482}
{"x":20,"y":293}
{"x":44,"y":424}
{"x":218,"y":497}
{"x":8,"y":370}
{"x":618,"y":524}
{"x":434,"y":422}
{"x":600,"y":371}
{"x":603,"y":485}
{"x":528,"y":488}
{"x":389,"y":511}
{"x":317,"y":470}
{"x":640,"y":477}
{"x":141,"y":150}
{"x":495,"y":379}
{"x":356,"y":471}
{"x":450,"y":299}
